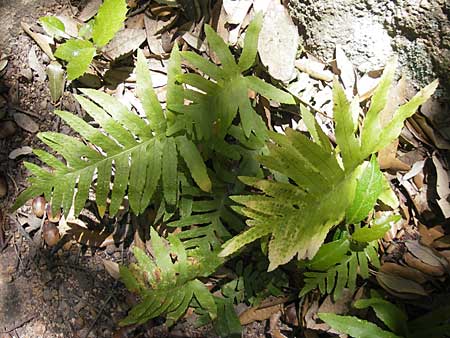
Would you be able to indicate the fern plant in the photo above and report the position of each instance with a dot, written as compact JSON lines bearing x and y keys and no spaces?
{"x":134,"y":148}
{"x":216,"y":101}
{"x":431,"y":325}
{"x":168,"y":283}
{"x":299,"y":216}
{"x":338,"y":263}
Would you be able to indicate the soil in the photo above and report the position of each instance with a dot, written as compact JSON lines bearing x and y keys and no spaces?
{"x":68,"y":294}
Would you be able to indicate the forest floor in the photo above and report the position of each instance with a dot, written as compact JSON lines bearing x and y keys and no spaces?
{"x":70,"y":293}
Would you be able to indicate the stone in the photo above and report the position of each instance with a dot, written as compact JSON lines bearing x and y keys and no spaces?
{"x":370,"y":31}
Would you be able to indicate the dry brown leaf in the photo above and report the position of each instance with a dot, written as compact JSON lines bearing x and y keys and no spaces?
{"x":151,"y":27}
{"x":314,"y":68}
{"x":70,"y":24}
{"x":35,"y":65}
{"x":259,"y":314}
{"x":424,"y":253}
{"x":236,"y":10}
{"x":442,"y":186}
{"x":42,"y":40}
{"x":278,"y":42}
{"x":340,"y":306}
{"x":366,"y":85}
{"x":136,"y":22}
{"x":387,"y":158}
{"x":125,"y":41}
{"x":194,"y":41}
{"x":400,"y":287}
{"x":26,"y":123}
{"x":442,"y":243}
{"x":89,"y":10}
{"x":403,"y":271}
{"x":112,"y":268}
{"x":347,"y":71}
{"x":20,"y":152}
{"x":435,"y":271}
{"x":429,"y":235}
{"x":431,"y":133}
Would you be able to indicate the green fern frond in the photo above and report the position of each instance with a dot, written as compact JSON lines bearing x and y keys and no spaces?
{"x":216,"y":102}
{"x":333,"y":279}
{"x":168,"y":283}
{"x":128,"y":150}
{"x":325,"y":190}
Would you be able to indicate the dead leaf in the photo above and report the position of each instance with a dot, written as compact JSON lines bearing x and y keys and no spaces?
{"x":346,"y":69}
{"x":387,"y":158}
{"x":194,"y":41}
{"x":89,"y":10}
{"x":125,"y":41}
{"x":259,"y":314}
{"x":35,"y":65}
{"x":428,"y":236}
{"x":403,"y":271}
{"x":136,"y":21}
{"x":70,"y":24}
{"x":442,"y":186}
{"x":26,"y":123}
{"x":236,"y":10}
{"x":278,"y":42}
{"x":416,"y":263}
{"x":42,"y":40}
{"x":112,"y":268}
{"x":20,"y":152}
{"x":442,"y":243}
{"x":366,"y":85}
{"x":400,"y":287}
{"x":340,"y":306}
{"x":425,"y":254}
{"x":151,"y":27}
{"x":314,"y":69}
{"x":432,"y":134}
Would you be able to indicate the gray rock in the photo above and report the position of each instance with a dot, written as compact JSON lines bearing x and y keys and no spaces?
{"x":370,"y":31}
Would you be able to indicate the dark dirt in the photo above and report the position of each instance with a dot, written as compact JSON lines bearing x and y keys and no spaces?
{"x":68,"y":294}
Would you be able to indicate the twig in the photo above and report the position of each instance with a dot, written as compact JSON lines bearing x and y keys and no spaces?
{"x":98,"y":316}
{"x":139,"y":10}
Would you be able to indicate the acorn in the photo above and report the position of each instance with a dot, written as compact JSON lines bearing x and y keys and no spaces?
{"x":38,"y":206}
{"x":52,"y":218}
{"x":50,"y":233}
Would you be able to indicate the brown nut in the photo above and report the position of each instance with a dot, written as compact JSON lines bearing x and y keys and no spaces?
{"x":52,"y":218}
{"x":50,"y":233}
{"x":38,"y":206}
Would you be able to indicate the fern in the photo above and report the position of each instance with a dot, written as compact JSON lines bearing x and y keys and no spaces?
{"x":169,"y":282}
{"x":431,"y":325}
{"x":216,"y":101}
{"x":299,"y":216}
{"x":135,"y":149}
{"x":335,"y":278}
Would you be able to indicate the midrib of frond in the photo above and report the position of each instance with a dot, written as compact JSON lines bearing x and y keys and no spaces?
{"x":94,"y":165}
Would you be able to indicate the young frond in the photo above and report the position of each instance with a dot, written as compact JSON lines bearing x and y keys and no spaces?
{"x":168,"y":283}
{"x":216,"y":101}
{"x":327,"y":192}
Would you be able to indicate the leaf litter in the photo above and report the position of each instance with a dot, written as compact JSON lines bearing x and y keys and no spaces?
{"x":310,"y":78}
